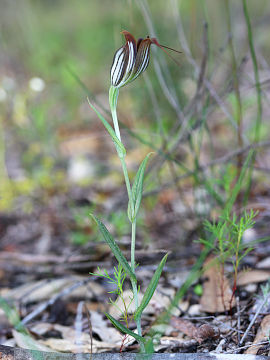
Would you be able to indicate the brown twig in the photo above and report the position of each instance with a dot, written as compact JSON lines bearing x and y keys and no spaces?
{"x":90,"y":330}
{"x":264,"y":300}
{"x":218,"y":161}
{"x":238,"y":319}
{"x":43,"y":306}
{"x":239,"y":116}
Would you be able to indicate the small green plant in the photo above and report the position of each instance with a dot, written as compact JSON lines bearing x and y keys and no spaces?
{"x":229,"y":231}
{"x":117,"y":279}
{"x":226,"y":234}
{"x":128,"y":63}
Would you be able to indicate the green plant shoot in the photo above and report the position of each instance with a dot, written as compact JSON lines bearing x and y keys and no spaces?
{"x":128,"y":63}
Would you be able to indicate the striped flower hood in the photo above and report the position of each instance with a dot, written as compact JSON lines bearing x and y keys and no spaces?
{"x":131,"y":59}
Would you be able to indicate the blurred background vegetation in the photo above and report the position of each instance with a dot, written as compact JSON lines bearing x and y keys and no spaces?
{"x":52,"y":51}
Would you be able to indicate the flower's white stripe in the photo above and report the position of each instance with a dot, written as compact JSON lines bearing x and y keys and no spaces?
{"x":117,"y":65}
{"x":127,"y":65}
{"x":119,"y":72}
{"x":130,"y":57}
{"x":116,"y":59}
{"x":130,"y":65}
{"x":144,"y":63}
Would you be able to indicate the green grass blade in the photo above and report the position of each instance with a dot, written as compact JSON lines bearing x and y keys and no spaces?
{"x":151,"y":288}
{"x":115,"y":248}
{"x":137,"y":189}
{"x":255,"y":69}
{"x":118,"y":144}
{"x":13,"y":316}
{"x":123,"y":329}
{"x":149,"y":346}
{"x":238,"y":185}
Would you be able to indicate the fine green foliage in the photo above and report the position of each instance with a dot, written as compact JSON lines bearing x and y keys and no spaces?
{"x":117,"y":279}
{"x":224,"y":236}
{"x":228,"y":231}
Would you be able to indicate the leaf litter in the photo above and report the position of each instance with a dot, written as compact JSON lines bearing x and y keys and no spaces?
{"x":188,"y":330}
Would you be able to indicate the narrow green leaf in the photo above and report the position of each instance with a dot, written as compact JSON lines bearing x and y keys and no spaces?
{"x":123,"y":329}
{"x":130,"y":210}
{"x":118,"y":144}
{"x":137,"y":189}
{"x":149,"y":346}
{"x":13,"y":316}
{"x":114,"y":247}
{"x":151,"y":288}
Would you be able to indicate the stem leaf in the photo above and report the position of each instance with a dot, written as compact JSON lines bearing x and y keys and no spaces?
{"x":151,"y":288}
{"x":137,"y":190}
{"x":115,"y":248}
{"x":123,"y":329}
{"x":118,"y":144}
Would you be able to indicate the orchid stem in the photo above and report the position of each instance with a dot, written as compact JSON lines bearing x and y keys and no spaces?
{"x":134,"y":285}
{"x":128,"y":186}
{"x":113,"y":96}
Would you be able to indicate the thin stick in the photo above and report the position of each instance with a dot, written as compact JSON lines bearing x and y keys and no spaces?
{"x":79,"y":325}
{"x":185,"y":47}
{"x":265,"y":299}
{"x":239,"y":116}
{"x":90,"y":330}
{"x":238,"y":319}
{"x":43,"y":306}
{"x":258,"y":88}
{"x":168,"y":90}
{"x":256,"y":71}
{"x":218,"y":161}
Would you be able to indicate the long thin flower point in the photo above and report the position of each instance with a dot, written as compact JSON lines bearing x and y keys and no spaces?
{"x":131,"y":59}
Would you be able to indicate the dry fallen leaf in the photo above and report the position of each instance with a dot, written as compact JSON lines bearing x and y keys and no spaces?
{"x":200,"y":333}
{"x":27,"y":342}
{"x":105,"y":332}
{"x":262,"y":335}
{"x":264,"y":264}
{"x":252,"y":276}
{"x":217,"y":294}
{"x":157,"y":303}
{"x":70,"y":342}
{"x":225,"y":324}
{"x":169,"y":341}
{"x":63,"y":345}
{"x":37,"y":291}
{"x":41,"y":328}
